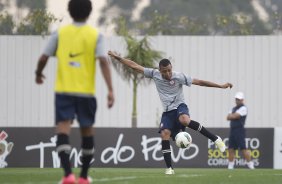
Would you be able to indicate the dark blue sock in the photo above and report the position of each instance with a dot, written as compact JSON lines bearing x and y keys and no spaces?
{"x":64,"y":149}
{"x":198,"y":127}
{"x":87,"y":147}
{"x":166,"y":152}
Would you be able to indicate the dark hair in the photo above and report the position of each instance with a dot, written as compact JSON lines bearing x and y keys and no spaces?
{"x":164,"y":63}
{"x":80,"y":9}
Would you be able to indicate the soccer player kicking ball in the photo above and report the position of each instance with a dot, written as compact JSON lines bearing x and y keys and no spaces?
{"x":176,"y":113}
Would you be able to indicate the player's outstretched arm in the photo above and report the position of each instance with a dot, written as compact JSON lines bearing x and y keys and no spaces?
{"x":211,"y":84}
{"x":127,"y":62}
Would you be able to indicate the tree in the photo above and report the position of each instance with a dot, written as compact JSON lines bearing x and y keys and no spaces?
{"x":36,"y":22}
{"x":141,"y":52}
{"x":6,"y":24}
{"x":198,"y":17}
{"x":165,"y":24}
{"x":31,"y":4}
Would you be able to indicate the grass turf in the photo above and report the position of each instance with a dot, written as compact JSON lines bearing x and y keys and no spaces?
{"x":145,"y":176}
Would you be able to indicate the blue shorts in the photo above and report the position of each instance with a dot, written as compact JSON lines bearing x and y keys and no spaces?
{"x":68,"y":107}
{"x":170,"y":120}
{"x":237,"y":139}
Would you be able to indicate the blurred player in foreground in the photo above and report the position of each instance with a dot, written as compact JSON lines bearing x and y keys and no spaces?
{"x":237,"y":118}
{"x":76,"y":47}
{"x":176,"y":113}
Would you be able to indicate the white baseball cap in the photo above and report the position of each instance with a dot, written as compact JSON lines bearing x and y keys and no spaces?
{"x":239,"y":95}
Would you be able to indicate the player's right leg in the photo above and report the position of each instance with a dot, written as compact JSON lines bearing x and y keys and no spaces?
{"x":165,"y":134}
{"x":232,"y":146}
{"x":231,"y":157}
{"x":166,"y":125}
{"x":64,"y":116}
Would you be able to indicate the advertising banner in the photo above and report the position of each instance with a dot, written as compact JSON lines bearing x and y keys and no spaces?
{"x":129,"y":147}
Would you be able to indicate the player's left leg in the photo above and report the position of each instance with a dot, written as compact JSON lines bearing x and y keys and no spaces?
{"x":184,"y":119}
{"x":241,"y":135}
{"x":247,"y":156}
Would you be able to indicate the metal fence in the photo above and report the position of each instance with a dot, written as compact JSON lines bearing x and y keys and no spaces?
{"x":251,"y":63}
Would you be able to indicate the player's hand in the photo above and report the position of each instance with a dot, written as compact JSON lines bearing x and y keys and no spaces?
{"x":112,"y":54}
{"x":39,"y":78}
{"x":227,"y":85}
{"x":111,"y":99}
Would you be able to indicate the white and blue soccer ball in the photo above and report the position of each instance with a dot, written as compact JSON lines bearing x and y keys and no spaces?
{"x":183,"y":140}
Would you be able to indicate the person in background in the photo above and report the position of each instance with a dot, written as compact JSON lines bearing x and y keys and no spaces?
{"x":237,"y":118}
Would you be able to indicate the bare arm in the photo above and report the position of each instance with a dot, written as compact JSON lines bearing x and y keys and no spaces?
{"x":127,"y":62}
{"x":104,"y":65}
{"x":233,"y":116}
{"x":40,"y":66}
{"x":211,"y":84}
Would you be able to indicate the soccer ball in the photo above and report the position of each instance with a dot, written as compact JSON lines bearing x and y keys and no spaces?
{"x":183,"y":140}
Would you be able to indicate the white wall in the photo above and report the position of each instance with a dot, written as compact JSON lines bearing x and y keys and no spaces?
{"x":277,"y":148}
{"x":251,"y":63}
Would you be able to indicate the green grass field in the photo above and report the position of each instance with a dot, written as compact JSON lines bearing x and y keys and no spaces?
{"x":146,"y":176}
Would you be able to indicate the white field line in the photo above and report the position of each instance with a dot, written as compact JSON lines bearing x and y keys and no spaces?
{"x":138,"y":177}
{"x":189,"y":175}
{"x":115,"y":179}
{"x":41,"y":182}
{"x":101,"y":180}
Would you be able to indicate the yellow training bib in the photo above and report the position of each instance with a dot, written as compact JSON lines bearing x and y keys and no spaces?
{"x":76,"y":67}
